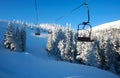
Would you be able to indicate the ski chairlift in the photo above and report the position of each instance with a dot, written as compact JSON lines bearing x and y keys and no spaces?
{"x":37,"y":31}
{"x":84,"y":34}
{"x":49,"y":31}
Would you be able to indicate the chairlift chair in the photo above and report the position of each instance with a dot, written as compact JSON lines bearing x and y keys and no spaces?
{"x":37,"y":32}
{"x":49,"y":31}
{"x":81,"y":36}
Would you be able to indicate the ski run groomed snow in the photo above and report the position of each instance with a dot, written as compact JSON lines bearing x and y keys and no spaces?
{"x":35,"y":62}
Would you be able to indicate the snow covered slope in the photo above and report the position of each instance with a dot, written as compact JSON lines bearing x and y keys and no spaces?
{"x":115,"y":24}
{"x":35,"y":62}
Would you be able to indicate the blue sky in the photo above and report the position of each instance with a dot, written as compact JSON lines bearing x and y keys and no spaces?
{"x":101,"y":11}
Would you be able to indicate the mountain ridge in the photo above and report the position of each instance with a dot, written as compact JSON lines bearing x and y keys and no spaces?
{"x":108,"y":25}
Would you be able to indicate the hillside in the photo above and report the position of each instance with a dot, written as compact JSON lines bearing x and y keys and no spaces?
{"x":35,"y":62}
{"x":103,"y":52}
{"x":109,"y":25}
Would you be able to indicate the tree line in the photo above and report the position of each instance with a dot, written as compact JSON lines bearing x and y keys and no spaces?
{"x":15,"y":36}
{"x":103,"y":53}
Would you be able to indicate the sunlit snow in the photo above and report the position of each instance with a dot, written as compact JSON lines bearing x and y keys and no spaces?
{"x":35,"y":62}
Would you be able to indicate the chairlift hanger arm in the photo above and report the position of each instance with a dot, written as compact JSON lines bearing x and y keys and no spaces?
{"x":88,"y":21}
{"x":36,"y":9}
{"x":88,"y":12}
{"x":37,"y":19}
{"x":86,"y":5}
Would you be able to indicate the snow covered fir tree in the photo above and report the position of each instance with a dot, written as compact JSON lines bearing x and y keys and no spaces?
{"x":15,"y":37}
{"x":62,"y":43}
{"x":59,"y":39}
{"x":103,"y":53}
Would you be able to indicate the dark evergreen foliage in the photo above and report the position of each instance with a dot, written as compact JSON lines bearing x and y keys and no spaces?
{"x":15,"y":36}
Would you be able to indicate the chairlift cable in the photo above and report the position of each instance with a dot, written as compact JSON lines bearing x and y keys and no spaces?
{"x":73,"y":10}
{"x":77,"y":8}
{"x":36,"y":9}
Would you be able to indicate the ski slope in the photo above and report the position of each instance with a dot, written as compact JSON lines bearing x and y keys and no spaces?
{"x":35,"y":62}
{"x":109,"y":25}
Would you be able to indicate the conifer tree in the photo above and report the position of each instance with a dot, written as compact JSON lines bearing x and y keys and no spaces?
{"x":9,"y":35}
{"x":23,"y":37}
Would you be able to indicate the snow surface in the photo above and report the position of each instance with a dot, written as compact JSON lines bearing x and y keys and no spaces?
{"x":35,"y":62}
{"x":115,"y":24}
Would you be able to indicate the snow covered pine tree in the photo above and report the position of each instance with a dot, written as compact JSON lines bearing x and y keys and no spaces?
{"x":9,"y":37}
{"x":15,"y":41}
{"x":23,"y":37}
